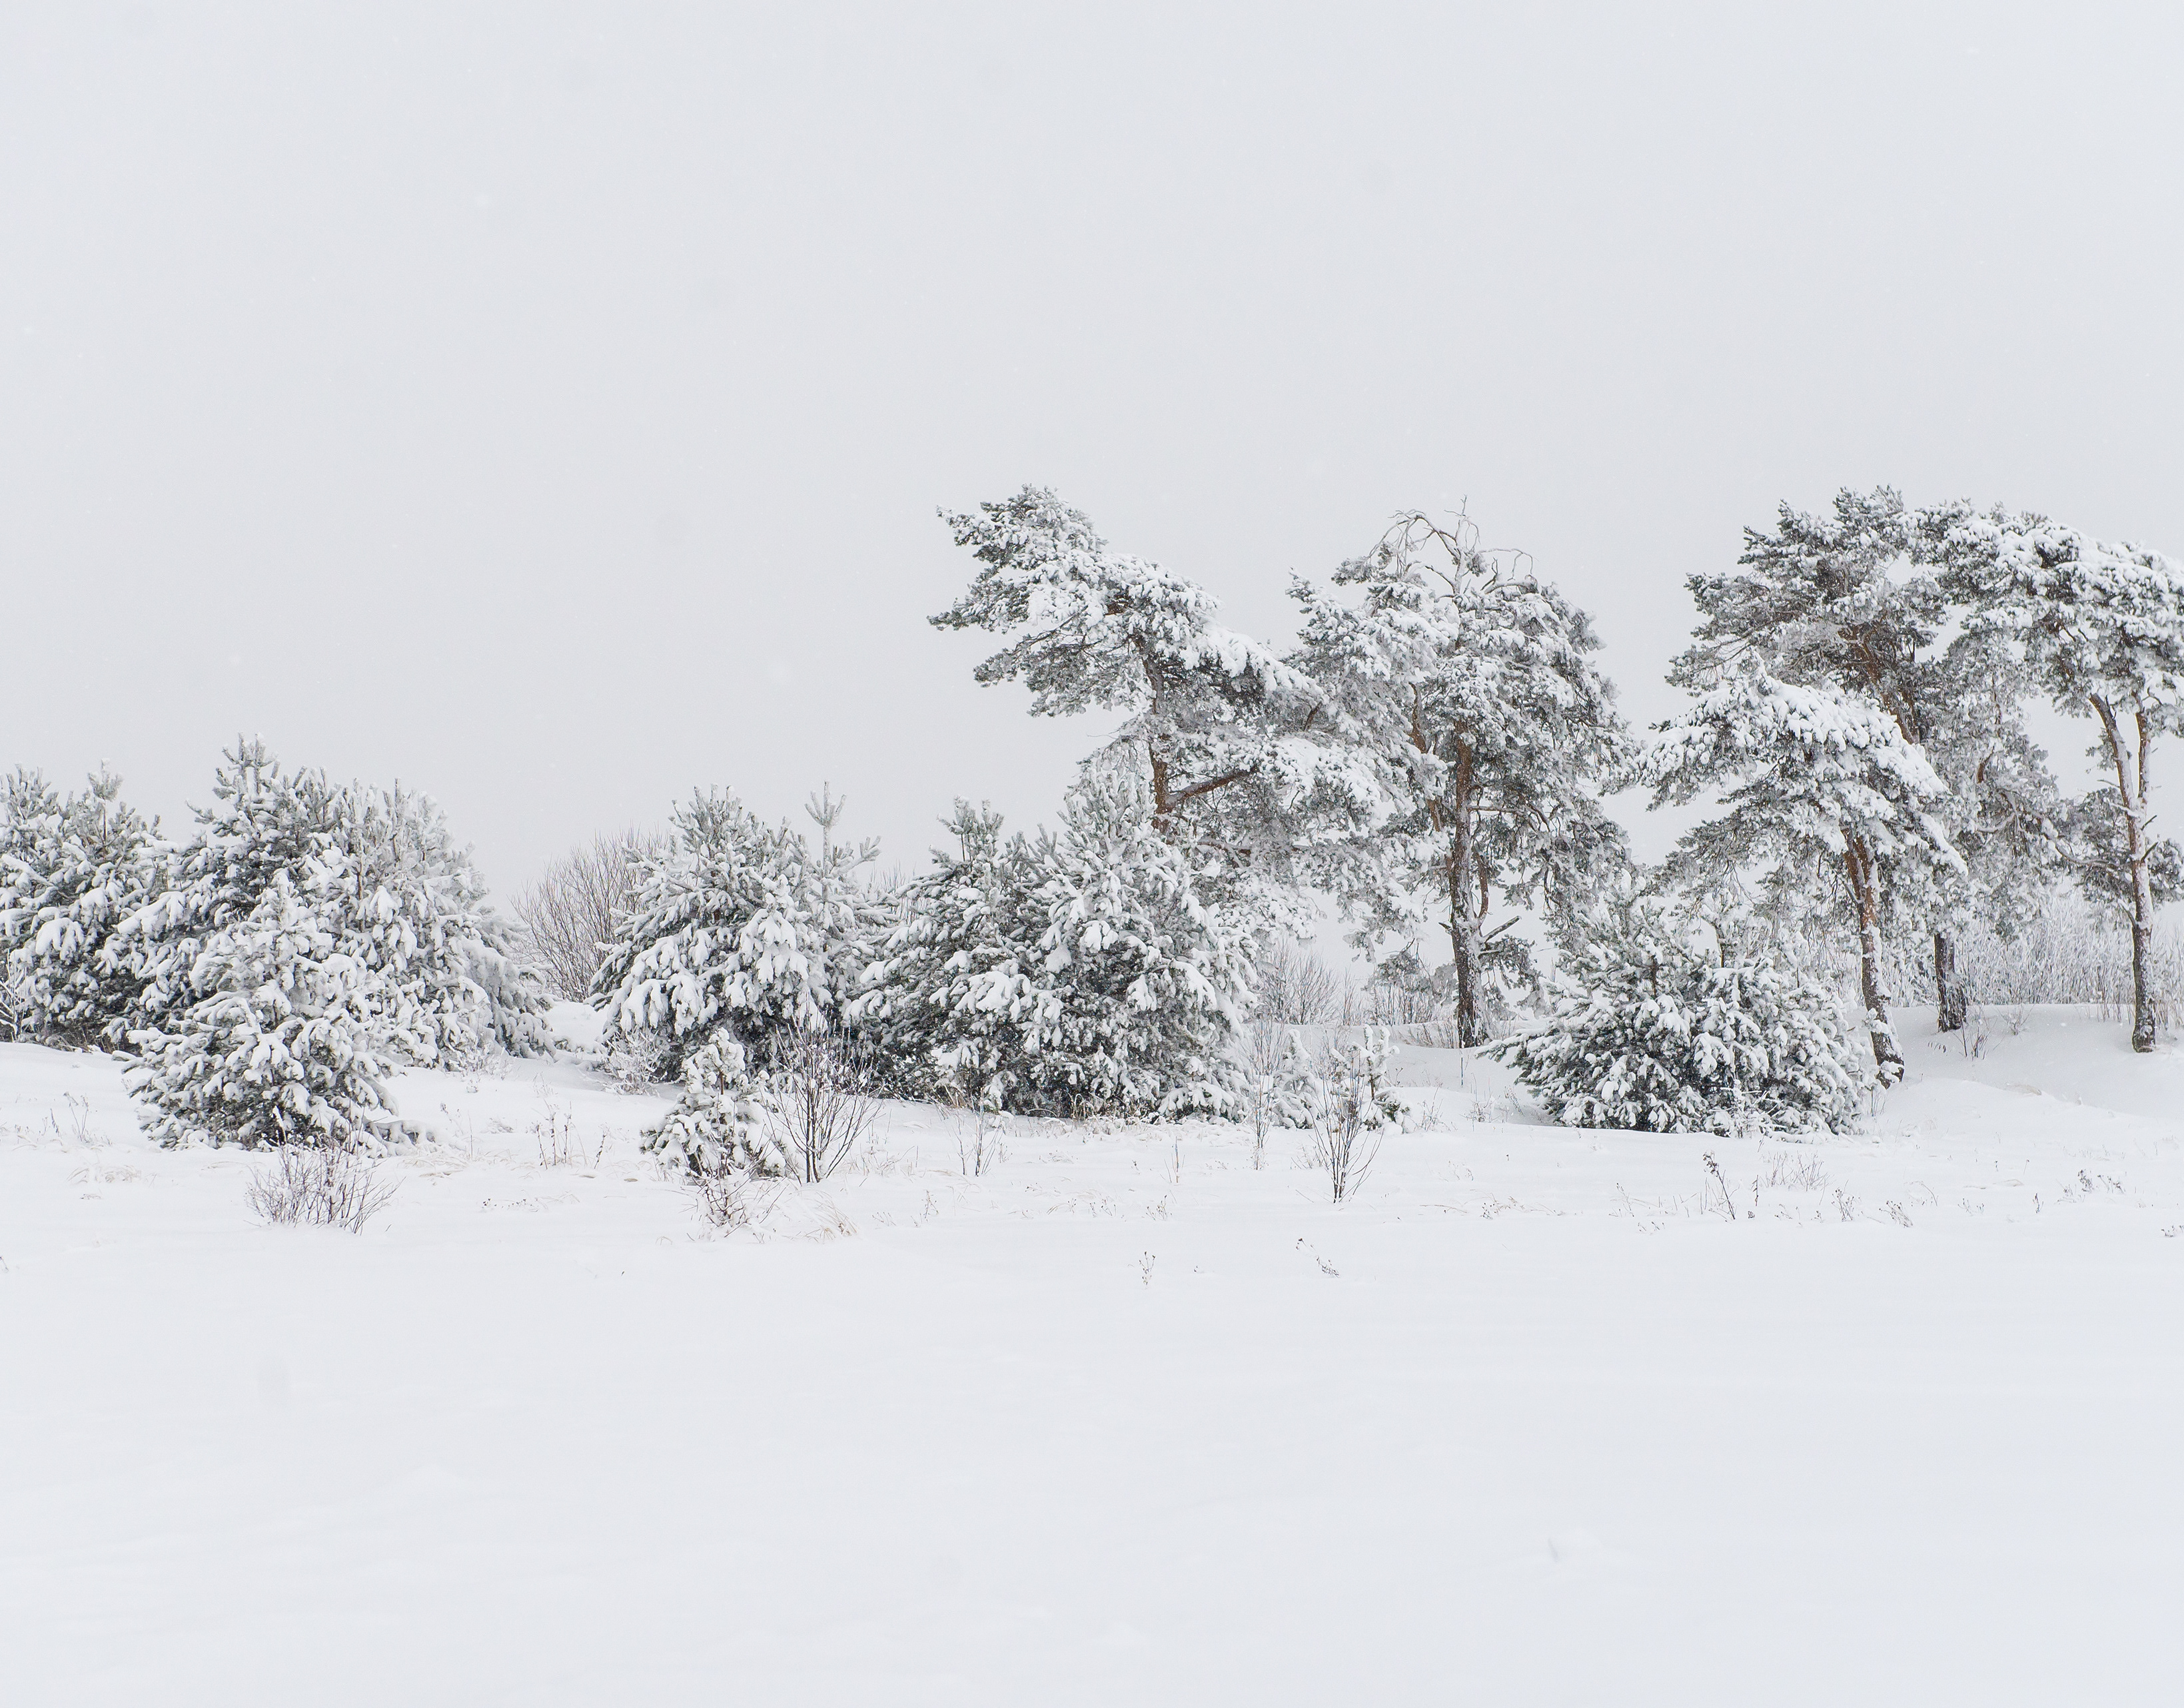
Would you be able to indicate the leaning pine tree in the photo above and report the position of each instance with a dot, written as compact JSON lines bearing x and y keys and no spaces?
{"x":1666,"y":1032}
{"x":1825,"y":796}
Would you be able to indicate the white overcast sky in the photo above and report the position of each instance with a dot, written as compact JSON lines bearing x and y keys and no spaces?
{"x":547,"y":404}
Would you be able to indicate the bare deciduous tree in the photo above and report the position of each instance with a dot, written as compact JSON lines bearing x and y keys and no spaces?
{"x":575,"y":904}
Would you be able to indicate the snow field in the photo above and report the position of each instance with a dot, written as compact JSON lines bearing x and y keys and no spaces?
{"x":1122,"y":1421}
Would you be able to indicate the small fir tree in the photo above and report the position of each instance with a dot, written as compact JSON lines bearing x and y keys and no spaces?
{"x":719,"y":1125}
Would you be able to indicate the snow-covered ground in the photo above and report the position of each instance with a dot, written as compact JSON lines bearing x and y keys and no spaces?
{"x":1124,"y":1421}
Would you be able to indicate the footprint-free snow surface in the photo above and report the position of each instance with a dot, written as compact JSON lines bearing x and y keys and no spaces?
{"x":1538,"y":1417}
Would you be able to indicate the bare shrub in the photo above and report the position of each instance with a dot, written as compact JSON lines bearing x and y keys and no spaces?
{"x":980,"y":1134}
{"x":576,"y":904}
{"x":318,"y":1186}
{"x":1295,"y":986}
{"x":1271,"y":1080}
{"x":728,"y":1199}
{"x":819,"y":1101}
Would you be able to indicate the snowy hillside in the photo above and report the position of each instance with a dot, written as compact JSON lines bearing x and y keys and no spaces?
{"x":1531,"y":1420}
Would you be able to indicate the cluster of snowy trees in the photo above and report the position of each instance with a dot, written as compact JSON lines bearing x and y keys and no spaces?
{"x":1429,"y":756}
{"x":267,"y":972}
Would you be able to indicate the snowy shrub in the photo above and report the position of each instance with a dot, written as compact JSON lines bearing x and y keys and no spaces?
{"x":284,"y":1046}
{"x":1268,"y":1082}
{"x":1080,"y":973}
{"x":719,"y":1126}
{"x":818,"y":1104}
{"x":736,"y":925}
{"x":1655,"y":1032}
{"x":1347,"y":1107}
{"x":318,"y":1185}
{"x":577,"y":905}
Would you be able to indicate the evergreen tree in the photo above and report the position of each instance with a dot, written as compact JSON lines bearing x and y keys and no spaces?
{"x":1848,"y":601}
{"x":1825,"y":791}
{"x":718,"y":1125}
{"x":1080,"y":972}
{"x":30,"y":840}
{"x":264,"y":825}
{"x":1215,"y":725}
{"x":1668,"y":1030}
{"x":2100,"y":626}
{"x":411,"y":906}
{"x":1139,"y":982}
{"x":739,"y":926}
{"x":941,"y":1001}
{"x":82,"y":866}
{"x":1478,"y":731}
{"x":281,"y":1037}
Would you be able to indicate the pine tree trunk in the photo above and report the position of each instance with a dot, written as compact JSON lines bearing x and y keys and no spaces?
{"x":1465,"y":941}
{"x":2133,"y":791}
{"x":1951,"y":1003}
{"x":1887,"y":1058}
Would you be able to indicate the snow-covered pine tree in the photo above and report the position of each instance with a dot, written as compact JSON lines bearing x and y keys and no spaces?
{"x":739,"y":926}
{"x":1823,"y":790}
{"x":719,"y":1125}
{"x":276,"y":1036}
{"x":82,"y":866}
{"x":1078,"y":972}
{"x":1476,"y":732}
{"x":2100,"y":626}
{"x":1216,"y":725}
{"x":940,"y":1006}
{"x":412,"y":907}
{"x":265,"y":823}
{"x":30,"y":843}
{"x":1849,"y":600}
{"x":1691,"y":1030}
{"x":1139,"y":981}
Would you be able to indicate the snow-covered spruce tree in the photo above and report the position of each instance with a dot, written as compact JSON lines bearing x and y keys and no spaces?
{"x":719,"y":1125}
{"x":1664,"y":1030}
{"x":1218,"y":729}
{"x":411,"y":906}
{"x":939,"y":1006}
{"x":282,"y":1039}
{"x":1823,"y":792}
{"x":739,"y":926}
{"x":2100,"y":626}
{"x":1461,"y":688}
{"x":1849,"y":600}
{"x":77,"y":870}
